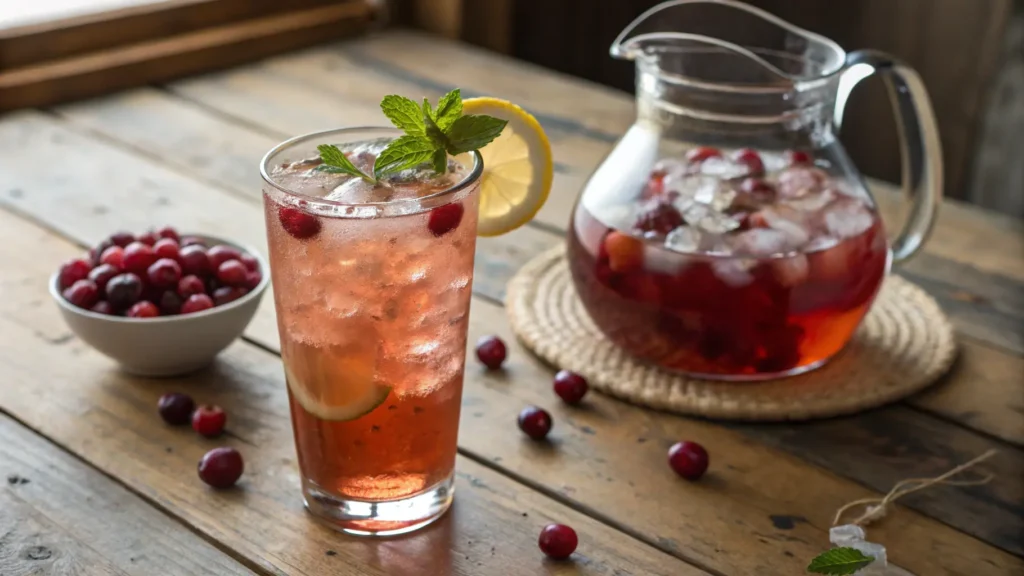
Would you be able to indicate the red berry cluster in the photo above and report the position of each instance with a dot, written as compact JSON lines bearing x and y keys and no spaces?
{"x":157,"y":274}
{"x":220,"y":467}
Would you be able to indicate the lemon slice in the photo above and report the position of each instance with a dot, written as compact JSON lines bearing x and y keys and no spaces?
{"x":340,"y":389}
{"x":517,"y":168}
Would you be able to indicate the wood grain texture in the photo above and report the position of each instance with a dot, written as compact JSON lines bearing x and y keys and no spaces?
{"x":87,"y":517}
{"x":69,"y":393}
{"x":609,"y":467}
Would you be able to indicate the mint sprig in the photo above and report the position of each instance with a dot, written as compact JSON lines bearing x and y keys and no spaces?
{"x":335,"y":162}
{"x":839,"y":562}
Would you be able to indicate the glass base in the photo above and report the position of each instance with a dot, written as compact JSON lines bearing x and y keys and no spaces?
{"x":390,"y":518}
{"x":752,"y":377}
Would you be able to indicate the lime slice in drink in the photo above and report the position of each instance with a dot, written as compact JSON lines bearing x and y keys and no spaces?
{"x":343,"y":391}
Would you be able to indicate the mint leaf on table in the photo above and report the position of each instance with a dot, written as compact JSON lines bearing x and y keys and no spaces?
{"x":839,"y":562}
{"x":335,"y":162}
{"x":402,"y":153}
{"x":404,"y":114}
{"x":473,"y":132}
{"x":449,"y":108}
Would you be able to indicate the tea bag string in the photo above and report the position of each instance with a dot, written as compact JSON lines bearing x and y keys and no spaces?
{"x":876,"y":508}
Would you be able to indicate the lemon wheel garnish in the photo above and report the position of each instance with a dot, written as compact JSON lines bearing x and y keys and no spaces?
{"x":339,"y":390}
{"x":517,"y":168}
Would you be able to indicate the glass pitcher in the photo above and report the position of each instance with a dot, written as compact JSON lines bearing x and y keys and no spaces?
{"x":728,"y":235}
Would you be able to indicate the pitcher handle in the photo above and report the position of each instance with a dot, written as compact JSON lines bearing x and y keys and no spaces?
{"x":919,"y":140}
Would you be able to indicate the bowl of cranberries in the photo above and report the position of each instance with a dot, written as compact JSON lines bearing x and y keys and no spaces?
{"x":160,"y":303}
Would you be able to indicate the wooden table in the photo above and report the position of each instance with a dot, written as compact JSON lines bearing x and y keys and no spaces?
{"x":96,"y":484}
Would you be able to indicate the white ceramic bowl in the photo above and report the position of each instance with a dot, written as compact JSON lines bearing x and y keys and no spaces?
{"x":166,"y":345}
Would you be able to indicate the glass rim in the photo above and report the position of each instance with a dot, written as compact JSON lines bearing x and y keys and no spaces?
{"x":470,"y":179}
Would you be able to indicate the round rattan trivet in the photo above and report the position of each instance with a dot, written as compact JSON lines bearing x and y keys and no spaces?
{"x":904,"y":344}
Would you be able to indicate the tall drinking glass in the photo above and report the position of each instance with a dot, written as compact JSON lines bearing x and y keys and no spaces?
{"x":372,"y":286}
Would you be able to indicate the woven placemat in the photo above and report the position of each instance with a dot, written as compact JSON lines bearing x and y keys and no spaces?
{"x":904,"y":344}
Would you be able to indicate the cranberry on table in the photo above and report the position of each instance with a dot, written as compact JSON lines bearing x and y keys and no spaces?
{"x":491,"y":351}
{"x":167,"y":248}
{"x":102,"y":274}
{"x":149,"y":238}
{"x":220,"y":254}
{"x":209,"y":420}
{"x":221,"y":467}
{"x":83,"y":293}
{"x":752,"y":160}
{"x":122,"y":239}
{"x":534,"y":422}
{"x":176,"y":408}
{"x":72,"y":271}
{"x":189,"y":285}
{"x":164,"y":273}
{"x":702,"y":153}
{"x":297,"y":223}
{"x":114,"y":256}
{"x":143,"y":309}
{"x":558,"y":541}
{"x":196,"y":303}
{"x":124,"y":290}
{"x":170,"y":303}
{"x":226,"y":294}
{"x":194,"y":260}
{"x":103,"y":307}
{"x":232,"y":273}
{"x":138,"y":257}
{"x":168,"y":233}
{"x":444,"y":219}
{"x":570,"y":386}
{"x":688,"y":459}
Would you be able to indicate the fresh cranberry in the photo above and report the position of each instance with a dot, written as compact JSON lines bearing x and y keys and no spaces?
{"x":194,"y":260}
{"x":167,"y":248}
{"x":168,"y":233}
{"x":196,"y":303}
{"x":102,"y":274}
{"x":688,"y":459}
{"x":209,"y":420}
{"x":189,"y":285}
{"x":751,"y":159}
{"x":300,"y":225}
{"x":113,"y":256}
{"x":175,"y":408}
{"x":122,"y":239}
{"x":625,"y":253}
{"x":444,"y":219}
{"x":570,"y":386}
{"x":138,"y":257}
{"x":534,"y":422}
{"x":557,"y":541}
{"x":170,"y":303}
{"x":103,"y":307}
{"x":491,"y":351}
{"x":226,"y":294}
{"x":149,"y":238}
{"x":143,"y":309}
{"x":72,"y":271}
{"x":220,"y":254}
{"x":83,"y":293}
{"x":800,"y":157}
{"x":97,"y":251}
{"x":124,"y":290}
{"x":659,"y":217}
{"x":221,"y":467}
{"x":232,"y":273}
{"x":164,"y":273}
{"x":253,"y":279}
{"x":192,"y":241}
{"x":250,"y":262}
{"x":702,"y":153}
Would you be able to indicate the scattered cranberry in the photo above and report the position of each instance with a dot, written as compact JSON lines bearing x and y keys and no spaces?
{"x":253,"y":279}
{"x":124,"y":290}
{"x":143,"y":309}
{"x":688,"y":459}
{"x":164,"y":273}
{"x":102,"y":274}
{"x":702,"y":153}
{"x":170,"y":303}
{"x":297,"y":223}
{"x":194,"y":260}
{"x":149,"y":238}
{"x":444,"y":219}
{"x":175,"y":408}
{"x":659,"y":216}
{"x":250,"y":262}
{"x":800,"y":157}
{"x":625,"y":253}
{"x":570,"y":386}
{"x":167,"y":248}
{"x":138,"y":257}
{"x":225,"y":294}
{"x":122,"y":239}
{"x":192,"y":241}
{"x":168,"y":233}
{"x":114,"y":256}
{"x":220,"y":254}
{"x":232,"y":273}
{"x":189,"y":285}
{"x":752,"y":160}
{"x":103,"y":307}
{"x":196,"y":303}
{"x":491,"y":351}
{"x":83,"y":293}
{"x":72,"y":271}
{"x":557,"y":541}
{"x":209,"y":420}
{"x":534,"y":422}
{"x":221,"y":467}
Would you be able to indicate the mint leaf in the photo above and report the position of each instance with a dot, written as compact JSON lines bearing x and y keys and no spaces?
{"x":335,"y":162}
{"x":440,"y":161}
{"x":434,"y":132}
{"x":403,"y":152}
{"x":449,"y":108}
{"x":839,"y":562}
{"x":427,"y":111}
{"x":472,"y":132}
{"x":404,"y":114}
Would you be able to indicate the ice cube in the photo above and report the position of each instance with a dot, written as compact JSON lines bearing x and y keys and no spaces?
{"x":848,"y":217}
{"x":799,"y":181}
{"x":707,"y":219}
{"x":791,"y":271}
{"x":723,"y":168}
{"x":669,"y":166}
{"x":760,"y":242}
{"x":734,"y":271}
{"x":689,"y":187}
{"x":813,"y":201}
{"x":877,"y":551}
{"x":684,"y":239}
{"x":845,"y":534}
{"x":789,"y":223}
